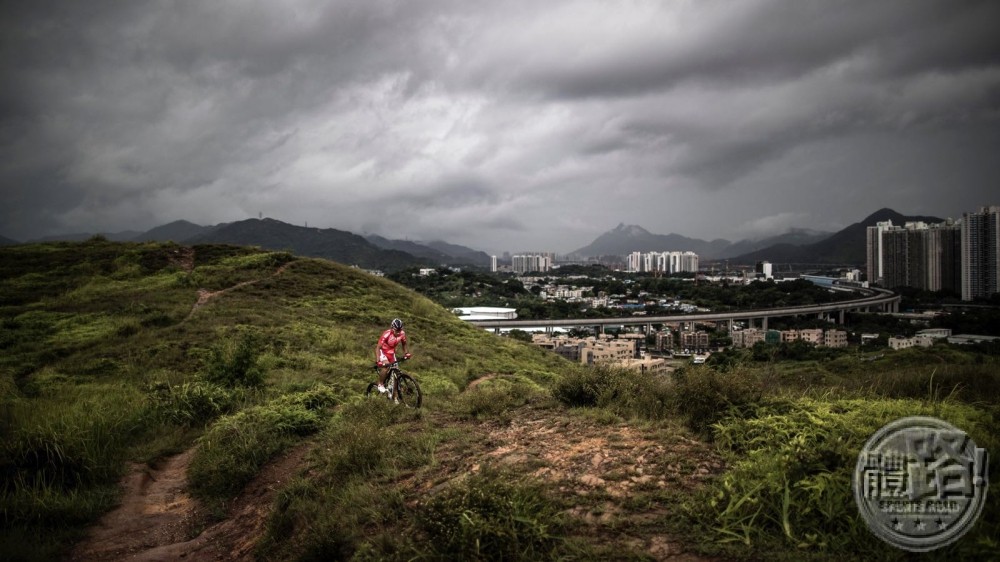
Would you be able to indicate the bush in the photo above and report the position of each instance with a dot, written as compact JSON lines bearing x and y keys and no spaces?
{"x":704,"y":395}
{"x":235,"y":363}
{"x":232,"y":451}
{"x":488,"y":517}
{"x":494,"y":399}
{"x":790,"y":469}
{"x":623,"y":391}
{"x":353,"y":506}
{"x":194,"y":403}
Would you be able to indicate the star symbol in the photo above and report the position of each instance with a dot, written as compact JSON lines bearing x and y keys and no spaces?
{"x":920,"y":525}
{"x":941,"y":523}
{"x":897,"y":524}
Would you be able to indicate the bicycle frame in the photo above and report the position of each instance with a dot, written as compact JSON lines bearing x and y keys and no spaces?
{"x":403,"y":388}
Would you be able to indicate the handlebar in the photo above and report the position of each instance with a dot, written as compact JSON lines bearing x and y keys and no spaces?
{"x":393,"y":364}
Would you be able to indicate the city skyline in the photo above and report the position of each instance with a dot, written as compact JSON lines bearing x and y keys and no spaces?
{"x":496,"y":126}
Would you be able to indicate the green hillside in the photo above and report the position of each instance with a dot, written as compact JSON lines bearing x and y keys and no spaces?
{"x":105,"y":356}
{"x":115,"y":358}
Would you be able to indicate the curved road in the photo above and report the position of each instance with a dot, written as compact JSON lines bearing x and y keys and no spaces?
{"x":874,"y":298}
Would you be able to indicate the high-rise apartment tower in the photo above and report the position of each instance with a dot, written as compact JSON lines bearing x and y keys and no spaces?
{"x":980,"y":258}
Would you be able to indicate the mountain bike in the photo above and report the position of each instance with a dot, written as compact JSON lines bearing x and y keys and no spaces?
{"x":402,"y":387}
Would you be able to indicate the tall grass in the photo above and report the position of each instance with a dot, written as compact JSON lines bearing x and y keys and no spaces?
{"x":55,"y":456}
{"x":352,"y":504}
{"x":491,"y":516}
{"x":790,"y":463}
{"x":497,"y":398}
{"x":703,"y":396}
{"x":233,"y":449}
{"x":622,"y":391}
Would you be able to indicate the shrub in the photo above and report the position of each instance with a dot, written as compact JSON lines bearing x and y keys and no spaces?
{"x":622,"y":391}
{"x":235,"y":363}
{"x":232,"y":451}
{"x":704,"y":395}
{"x":347,"y":509}
{"x":194,"y":403}
{"x":488,"y":517}
{"x":790,"y":469}
{"x":494,"y":399}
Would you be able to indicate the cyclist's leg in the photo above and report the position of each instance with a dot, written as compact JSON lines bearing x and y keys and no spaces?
{"x":383,"y":372}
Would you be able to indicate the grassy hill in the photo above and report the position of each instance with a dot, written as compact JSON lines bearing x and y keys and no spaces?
{"x":117,"y":357}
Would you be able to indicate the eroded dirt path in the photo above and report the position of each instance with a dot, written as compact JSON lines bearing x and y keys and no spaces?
{"x":157,"y":517}
{"x":616,"y":477}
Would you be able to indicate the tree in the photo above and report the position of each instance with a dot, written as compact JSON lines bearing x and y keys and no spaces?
{"x":519,"y":335}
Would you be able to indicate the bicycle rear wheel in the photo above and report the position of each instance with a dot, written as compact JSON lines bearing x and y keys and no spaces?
{"x":408,"y":391}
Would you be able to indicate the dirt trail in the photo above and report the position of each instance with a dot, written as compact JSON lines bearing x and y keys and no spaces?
{"x":599,"y":467}
{"x":157,"y":516}
{"x":204,"y":295}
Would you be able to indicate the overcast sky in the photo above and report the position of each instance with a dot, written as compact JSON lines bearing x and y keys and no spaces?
{"x":500,"y":125}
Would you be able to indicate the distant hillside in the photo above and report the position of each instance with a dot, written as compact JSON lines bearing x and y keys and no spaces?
{"x":4,"y":241}
{"x":625,"y":239}
{"x":123,"y":236}
{"x":461,"y":253}
{"x":412,"y":248}
{"x":177,"y":231}
{"x":846,"y":247}
{"x":337,"y":245}
{"x":439,"y":252}
{"x":794,"y":237}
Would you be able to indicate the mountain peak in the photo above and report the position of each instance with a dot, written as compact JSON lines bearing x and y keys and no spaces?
{"x":631,"y":230}
{"x":625,"y":239}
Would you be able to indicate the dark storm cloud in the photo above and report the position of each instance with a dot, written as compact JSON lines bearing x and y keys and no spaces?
{"x":492,"y":122}
{"x":733,"y":44}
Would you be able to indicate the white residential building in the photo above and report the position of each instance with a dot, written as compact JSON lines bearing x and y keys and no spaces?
{"x":664,"y":262}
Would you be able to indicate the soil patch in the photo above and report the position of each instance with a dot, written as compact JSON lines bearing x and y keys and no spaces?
{"x":158,"y":519}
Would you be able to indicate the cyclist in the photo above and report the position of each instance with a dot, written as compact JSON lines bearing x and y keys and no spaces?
{"x":385,"y":350}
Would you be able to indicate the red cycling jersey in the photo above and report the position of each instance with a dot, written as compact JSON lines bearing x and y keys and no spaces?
{"x":387,"y":345}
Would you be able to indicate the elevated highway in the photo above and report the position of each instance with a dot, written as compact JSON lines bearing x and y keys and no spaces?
{"x":873,"y":299}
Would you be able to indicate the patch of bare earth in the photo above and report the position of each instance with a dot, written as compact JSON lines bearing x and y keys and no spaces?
{"x":158,"y":519}
{"x":618,"y":478}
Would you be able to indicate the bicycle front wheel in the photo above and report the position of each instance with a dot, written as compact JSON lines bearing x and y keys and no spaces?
{"x":408,"y":391}
{"x":372,"y":391}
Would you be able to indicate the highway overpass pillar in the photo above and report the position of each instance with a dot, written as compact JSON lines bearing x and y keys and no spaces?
{"x":764,"y":323}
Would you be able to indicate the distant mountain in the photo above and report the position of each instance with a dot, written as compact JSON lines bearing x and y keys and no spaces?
{"x":625,"y":239}
{"x":412,"y":248}
{"x":794,"y":237}
{"x":4,"y":241}
{"x":177,"y":231}
{"x":461,"y":253}
{"x":437,"y":251}
{"x":329,"y":243}
{"x":846,"y":247}
{"x":123,"y":236}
